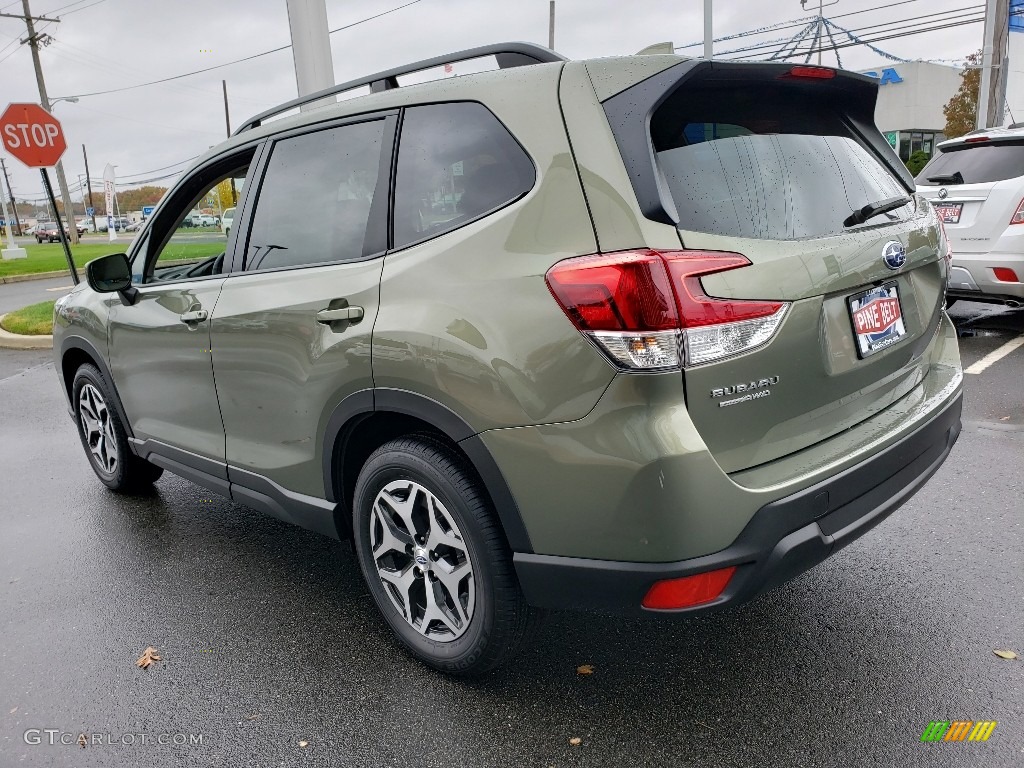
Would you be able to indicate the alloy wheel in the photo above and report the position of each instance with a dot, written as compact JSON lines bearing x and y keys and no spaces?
{"x":98,"y":428}
{"x":422,"y":560}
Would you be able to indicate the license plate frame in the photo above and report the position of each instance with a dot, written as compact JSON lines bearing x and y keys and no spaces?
{"x":868,"y":336}
{"x":949,"y":213}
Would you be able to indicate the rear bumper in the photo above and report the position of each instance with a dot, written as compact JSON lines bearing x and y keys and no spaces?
{"x":783,"y":539}
{"x":972,"y":276}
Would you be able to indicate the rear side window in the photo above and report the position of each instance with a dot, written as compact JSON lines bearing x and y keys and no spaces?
{"x":315,"y":199}
{"x":974,"y":164}
{"x":456,"y":163}
{"x":763,"y":163}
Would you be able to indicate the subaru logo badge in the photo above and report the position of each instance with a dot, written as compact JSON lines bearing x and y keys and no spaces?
{"x":943,"y":193}
{"x":894,"y":254}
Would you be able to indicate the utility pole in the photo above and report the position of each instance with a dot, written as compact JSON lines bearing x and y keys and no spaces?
{"x":819,"y":36}
{"x":311,"y":49}
{"x":33,"y":43}
{"x":551,"y":25}
{"x":14,"y":203}
{"x":709,"y":41}
{"x":88,"y":182}
{"x":993,"y":56}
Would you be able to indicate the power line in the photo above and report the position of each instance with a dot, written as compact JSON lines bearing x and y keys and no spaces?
{"x":793,"y":24}
{"x":239,"y":61}
{"x":889,"y":26}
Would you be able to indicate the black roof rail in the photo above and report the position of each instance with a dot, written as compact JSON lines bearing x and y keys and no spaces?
{"x":508,"y":55}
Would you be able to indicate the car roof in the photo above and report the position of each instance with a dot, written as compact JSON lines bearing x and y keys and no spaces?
{"x":1009,"y":133}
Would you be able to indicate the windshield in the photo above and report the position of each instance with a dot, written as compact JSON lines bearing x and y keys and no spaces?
{"x":976,"y":163}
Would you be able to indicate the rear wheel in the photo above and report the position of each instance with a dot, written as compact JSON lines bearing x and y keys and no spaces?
{"x":435,"y":559}
{"x":104,"y":437}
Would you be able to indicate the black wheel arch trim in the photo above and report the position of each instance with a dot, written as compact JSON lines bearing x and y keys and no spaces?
{"x":360,"y":405}
{"x":100,"y":361}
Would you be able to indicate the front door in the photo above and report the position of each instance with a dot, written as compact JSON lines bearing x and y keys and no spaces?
{"x":159,"y":347}
{"x":291,"y":329}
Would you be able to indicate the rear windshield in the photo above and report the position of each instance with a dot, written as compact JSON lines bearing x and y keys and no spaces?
{"x":766,"y":164}
{"x":975,"y":163}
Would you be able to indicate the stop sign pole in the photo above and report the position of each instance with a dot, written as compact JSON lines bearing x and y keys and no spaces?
{"x":35,"y":137}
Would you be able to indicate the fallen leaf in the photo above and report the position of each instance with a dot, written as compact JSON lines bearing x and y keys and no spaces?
{"x":575,"y":741}
{"x":1005,"y":654}
{"x":585,"y":669}
{"x":82,"y":741}
{"x":1004,"y":418}
{"x":148,"y":657}
{"x":13,"y":711}
{"x":303,"y":744}
{"x":253,"y":716}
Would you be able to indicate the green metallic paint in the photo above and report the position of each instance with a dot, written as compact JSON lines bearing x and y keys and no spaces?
{"x":162,"y":367}
{"x":633,"y":480}
{"x":280,"y":373}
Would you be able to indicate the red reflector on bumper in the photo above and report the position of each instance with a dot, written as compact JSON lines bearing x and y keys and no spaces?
{"x":688,"y":590}
{"x":1005,"y":274}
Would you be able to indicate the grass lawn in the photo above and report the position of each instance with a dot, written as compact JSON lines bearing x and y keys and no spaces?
{"x":49,"y":257}
{"x":33,"y":320}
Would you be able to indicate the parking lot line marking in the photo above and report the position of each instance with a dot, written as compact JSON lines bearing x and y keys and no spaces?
{"x":995,"y":355}
{"x":61,"y":288}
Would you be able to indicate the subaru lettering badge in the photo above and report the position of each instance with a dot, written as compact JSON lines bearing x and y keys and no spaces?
{"x":943,"y":193}
{"x":894,"y":254}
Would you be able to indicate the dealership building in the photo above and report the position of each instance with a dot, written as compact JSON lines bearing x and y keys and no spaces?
{"x":911,"y":96}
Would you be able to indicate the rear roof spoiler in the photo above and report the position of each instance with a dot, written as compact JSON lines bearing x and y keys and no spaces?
{"x":508,"y":55}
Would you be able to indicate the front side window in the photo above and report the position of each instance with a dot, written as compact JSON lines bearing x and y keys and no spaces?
{"x":456,"y":163}
{"x":315,"y":200}
{"x":193,"y":243}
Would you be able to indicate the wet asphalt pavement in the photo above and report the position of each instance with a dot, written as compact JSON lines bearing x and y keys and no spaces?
{"x":269,"y":638}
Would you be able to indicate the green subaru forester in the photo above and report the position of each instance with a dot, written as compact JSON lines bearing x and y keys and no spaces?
{"x":643,"y":334}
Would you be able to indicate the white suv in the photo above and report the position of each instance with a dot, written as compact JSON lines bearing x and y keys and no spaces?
{"x":976,"y":183}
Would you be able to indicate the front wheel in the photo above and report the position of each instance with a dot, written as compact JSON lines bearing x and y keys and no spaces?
{"x":435,"y":559}
{"x":104,"y":437}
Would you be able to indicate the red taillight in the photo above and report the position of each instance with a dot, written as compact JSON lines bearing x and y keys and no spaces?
{"x":1005,"y":275}
{"x":817,"y":73}
{"x":643,"y":306}
{"x":688,"y":590}
{"x":696,"y":308}
{"x":626,"y":291}
{"x":975,"y":139}
{"x":1018,"y":215}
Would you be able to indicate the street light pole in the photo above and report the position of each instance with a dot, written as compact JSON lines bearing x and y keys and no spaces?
{"x":821,"y":23}
{"x":708,"y":38}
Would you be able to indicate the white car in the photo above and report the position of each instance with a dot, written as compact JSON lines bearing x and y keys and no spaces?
{"x":226,"y":219}
{"x":976,"y":183}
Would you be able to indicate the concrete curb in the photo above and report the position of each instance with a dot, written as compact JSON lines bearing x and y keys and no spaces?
{"x":10,"y":340}
{"x":35,"y":276}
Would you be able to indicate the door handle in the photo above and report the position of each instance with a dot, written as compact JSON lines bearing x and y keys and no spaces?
{"x":194,"y":316}
{"x":354,"y":314}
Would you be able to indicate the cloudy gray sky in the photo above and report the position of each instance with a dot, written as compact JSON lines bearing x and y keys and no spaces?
{"x":105,"y":44}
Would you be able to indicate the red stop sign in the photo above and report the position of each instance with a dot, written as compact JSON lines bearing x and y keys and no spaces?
{"x":32,"y":135}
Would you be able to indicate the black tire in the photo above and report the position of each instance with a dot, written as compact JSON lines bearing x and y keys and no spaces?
{"x":128,"y":473}
{"x":501,"y":621}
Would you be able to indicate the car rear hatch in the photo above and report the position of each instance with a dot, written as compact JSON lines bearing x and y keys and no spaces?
{"x":974,"y":184}
{"x":799,"y":320}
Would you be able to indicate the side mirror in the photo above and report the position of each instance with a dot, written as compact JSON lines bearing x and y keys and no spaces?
{"x":112,"y":274}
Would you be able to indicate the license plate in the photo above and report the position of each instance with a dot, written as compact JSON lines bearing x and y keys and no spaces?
{"x":877,"y":319}
{"x":949,"y":213}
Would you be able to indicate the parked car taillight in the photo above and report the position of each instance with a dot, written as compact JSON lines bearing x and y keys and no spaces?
{"x":1018,"y":215}
{"x":648,"y":310}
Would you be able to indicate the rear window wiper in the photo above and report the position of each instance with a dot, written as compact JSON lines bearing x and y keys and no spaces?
{"x":950,"y":178}
{"x":873,"y":209}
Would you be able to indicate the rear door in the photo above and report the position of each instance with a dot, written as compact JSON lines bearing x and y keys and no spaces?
{"x":291,"y":332}
{"x":773,"y":163}
{"x":975,"y":185}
